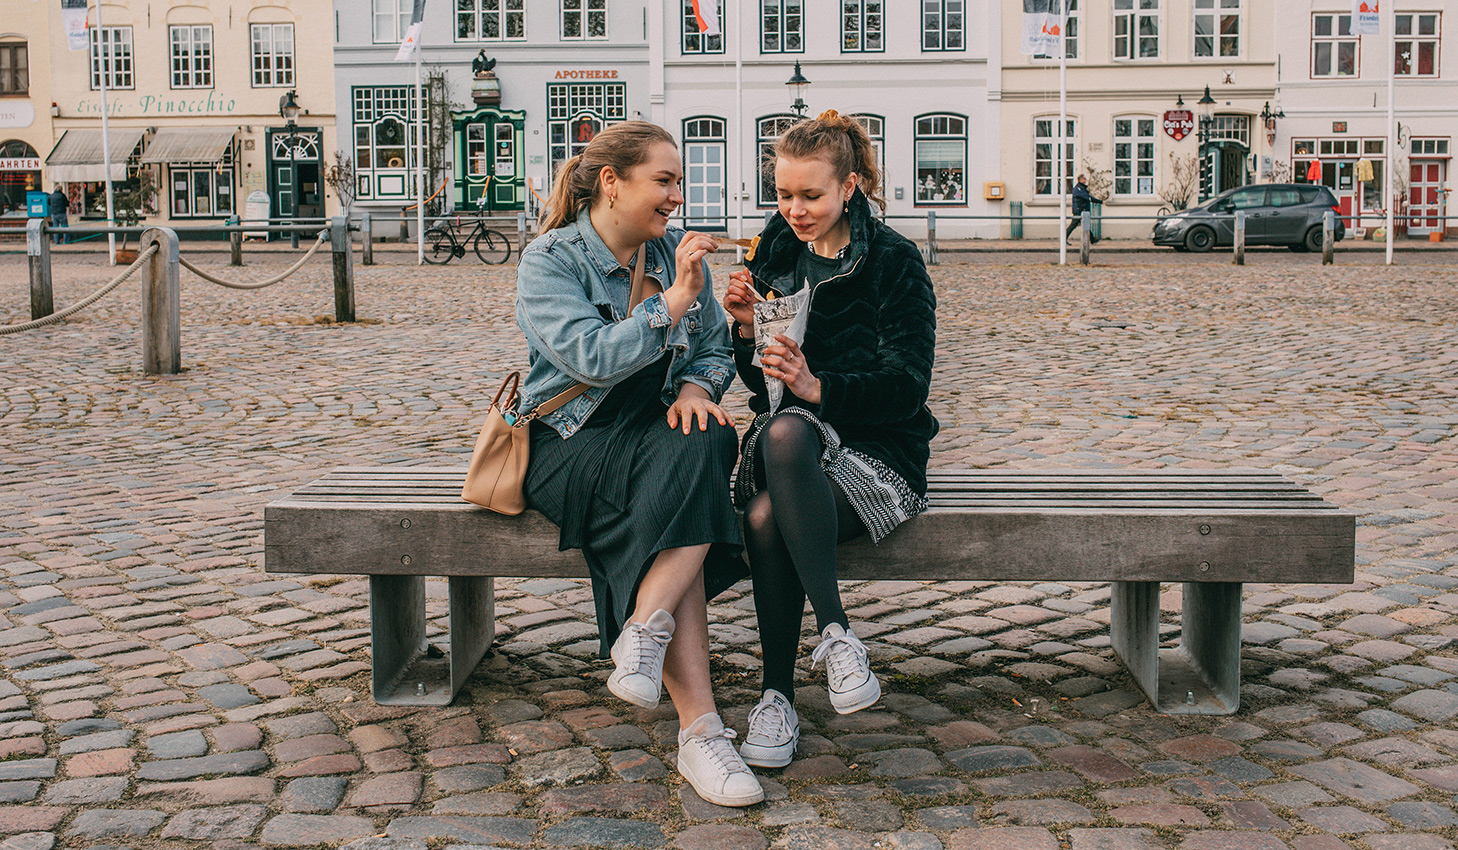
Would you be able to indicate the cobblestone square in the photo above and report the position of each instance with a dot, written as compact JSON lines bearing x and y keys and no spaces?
{"x":159,"y":690}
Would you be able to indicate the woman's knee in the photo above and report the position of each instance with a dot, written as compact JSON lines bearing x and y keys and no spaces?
{"x":787,"y":438}
{"x":759,"y":517}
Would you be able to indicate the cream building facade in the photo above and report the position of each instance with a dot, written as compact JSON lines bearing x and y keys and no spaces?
{"x":193,"y":96}
{"x":1130,"y":63}
{"x":25,"y":101}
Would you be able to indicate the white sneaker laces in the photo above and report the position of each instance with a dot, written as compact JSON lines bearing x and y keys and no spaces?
{"x":644,"y":648}
{"x":770,"y":721}
{"x":844,"y":656}
{"x":721,"y":752}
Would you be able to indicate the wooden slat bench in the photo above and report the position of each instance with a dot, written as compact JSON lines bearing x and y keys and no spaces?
{"x":1211,"y":530}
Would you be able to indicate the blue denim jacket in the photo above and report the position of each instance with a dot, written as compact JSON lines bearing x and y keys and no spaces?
{"x":572,"y":303}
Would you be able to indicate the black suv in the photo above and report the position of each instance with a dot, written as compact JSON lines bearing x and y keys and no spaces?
{"x":1275,"y":214}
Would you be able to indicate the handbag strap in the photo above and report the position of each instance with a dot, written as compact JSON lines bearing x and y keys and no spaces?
{"x":635,"y":296}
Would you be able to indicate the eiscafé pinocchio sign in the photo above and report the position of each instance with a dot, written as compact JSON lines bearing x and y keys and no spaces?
{"x":1179,"y":123}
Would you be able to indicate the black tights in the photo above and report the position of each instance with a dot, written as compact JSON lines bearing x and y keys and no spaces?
{"x":792,"y":527}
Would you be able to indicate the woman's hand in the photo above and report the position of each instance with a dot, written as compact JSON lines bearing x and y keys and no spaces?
{"x":739,"y":300}
{"x":689,"y":258}
{"x":786,"y":362}
{"x":693,"y":402}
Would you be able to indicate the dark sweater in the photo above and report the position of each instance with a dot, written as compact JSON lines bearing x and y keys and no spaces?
{"x":870,"y":339}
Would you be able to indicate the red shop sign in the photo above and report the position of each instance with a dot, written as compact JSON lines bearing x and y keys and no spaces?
{"x":1179,"y":123}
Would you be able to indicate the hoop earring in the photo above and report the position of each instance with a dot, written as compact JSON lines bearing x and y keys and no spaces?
{"x":612,"y":199}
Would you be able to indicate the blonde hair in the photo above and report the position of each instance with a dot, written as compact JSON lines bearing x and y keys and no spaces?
{"x":619,"y":147}
{"x":841,"y":141}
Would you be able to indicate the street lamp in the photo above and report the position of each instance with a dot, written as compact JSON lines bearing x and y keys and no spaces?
{"x":1207,"y":169}
{"x":1269,"y":118}
{"x":798,"y":83}
{"x":288,"y":109}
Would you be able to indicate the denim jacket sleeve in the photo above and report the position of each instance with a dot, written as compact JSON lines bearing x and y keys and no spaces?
{"x":712,"y":366}
{"x":563,"y":325}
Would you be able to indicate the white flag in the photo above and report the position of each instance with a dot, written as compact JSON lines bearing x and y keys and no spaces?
{"x":1043,"y":22}
{"x":73,"y":21}
{"x":1365,"y":18}
{"x":412,"y":35}
{"x":707,"y":14}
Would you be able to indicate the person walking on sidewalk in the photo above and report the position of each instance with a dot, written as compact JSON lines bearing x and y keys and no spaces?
{"x":1082,"y":203}
{"x":839,"y":445}
{"x":58,"y":203}
{"x":635,"y":470}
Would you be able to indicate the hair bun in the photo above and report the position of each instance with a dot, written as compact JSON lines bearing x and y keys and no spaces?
{"x":829,"y":116}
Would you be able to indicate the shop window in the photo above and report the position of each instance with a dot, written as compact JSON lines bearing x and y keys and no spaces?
{"x":384,"y":139}
{"x":202,"y":190}
{"x":273,"y":55}
{"x":1070,"y":34}
{"x":861,"y":25}
{"x":20,"y":171}
{"x":490,"y":20}
{"x":577,"y":112}
{"x":584,"y":19}
{"x":192,"y":57}
{"x":1334,"y":50}
{"x":1136,"y":29}
{"x":943,"y":25}
{"x":1429,"y":147}
{"x":14,"y":68}
{"x":1134,"y":156}
{"x":695,"y":41}
{"x":1045,"y":158}
{"x":770,"y":129}
{"x":1373,"y":147}
{"x":1217,"y":28}
{"x":781,"y":26}
{"x":941,"y":159}
{"x":1337,"y":147}
{"x":111,"y":58}
{"x":1417,"y":45}
{"x":875,"y":127}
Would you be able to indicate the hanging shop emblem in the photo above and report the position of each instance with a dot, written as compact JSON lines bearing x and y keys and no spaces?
{"x":1179,"y":123}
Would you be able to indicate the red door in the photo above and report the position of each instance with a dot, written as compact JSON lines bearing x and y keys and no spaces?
{"x":1425,"y":196}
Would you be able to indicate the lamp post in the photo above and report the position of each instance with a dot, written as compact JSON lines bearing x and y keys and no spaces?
{"x":1207,"y":168}
{"x":797,"y":82}
{"x":288,"y":109}
{"x":1269,"y":117}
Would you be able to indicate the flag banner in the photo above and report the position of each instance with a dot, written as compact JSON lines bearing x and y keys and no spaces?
{"x":412,"y":35}
{"x":73,"y":21}
{"x":707,"y":14}
{"x":1365,"y":18}
{"x":1043,"y":27}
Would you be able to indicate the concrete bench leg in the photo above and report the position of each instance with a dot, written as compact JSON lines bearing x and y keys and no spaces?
{"x":1202,"y":674}
{"x":406,"y":670}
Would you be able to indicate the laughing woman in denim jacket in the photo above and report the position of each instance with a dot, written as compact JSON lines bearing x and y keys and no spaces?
{"x":635,"y":470}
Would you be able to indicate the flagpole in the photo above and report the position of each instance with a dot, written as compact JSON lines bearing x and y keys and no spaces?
{"x":738,"y":31}
{"x":1390,"y":182}
{"x":1062,"y":130}
{"x":105,"y":139}
{"x":420,"y":171}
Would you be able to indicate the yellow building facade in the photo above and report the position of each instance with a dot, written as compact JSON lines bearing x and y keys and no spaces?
{"x":25,"y":99}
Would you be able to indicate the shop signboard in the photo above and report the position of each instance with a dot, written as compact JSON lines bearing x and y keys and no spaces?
{"x":255,"y":211}
{"x":1179,"y":123}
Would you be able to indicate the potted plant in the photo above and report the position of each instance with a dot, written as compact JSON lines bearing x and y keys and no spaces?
{"x":132,"y":201}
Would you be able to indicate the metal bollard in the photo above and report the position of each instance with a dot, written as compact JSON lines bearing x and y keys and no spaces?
{"x":235,"y":240}
{"x":367,"y":240}
{"x":38,"y":255}
{"x":343,"y":269}
{"x":1085,"y":242}
{"x":1239,"y":238}
{"x":931,"y":237}
{"x":1328,"y":238}
{"x":161,"y":305}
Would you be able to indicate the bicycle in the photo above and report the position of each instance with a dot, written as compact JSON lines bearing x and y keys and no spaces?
{"x":442,"y":245}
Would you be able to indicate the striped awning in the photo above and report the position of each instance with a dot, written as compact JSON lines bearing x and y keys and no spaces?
{"x":77,"y":157}
{"x":194,"y":144}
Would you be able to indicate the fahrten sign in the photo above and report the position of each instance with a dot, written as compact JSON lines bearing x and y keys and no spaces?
{"x":1179,"y":123}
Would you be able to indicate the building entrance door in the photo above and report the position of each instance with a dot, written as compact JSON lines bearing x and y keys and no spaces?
{"x":305,"y":149}
{"x":1425,"y":196}
{"x":489,"y":173}
{"x":703,"y":185}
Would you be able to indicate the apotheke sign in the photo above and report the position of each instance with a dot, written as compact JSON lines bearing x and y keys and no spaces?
{"x":150,"y":104}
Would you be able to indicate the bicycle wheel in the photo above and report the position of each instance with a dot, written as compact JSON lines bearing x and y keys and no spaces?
{"x":440,"y":246}
{"x":492,"y":247}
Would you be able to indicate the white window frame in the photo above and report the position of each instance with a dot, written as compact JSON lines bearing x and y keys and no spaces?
{"x":875,"y":127}
{"x":1070,"y":35}
{"x":859,"y":23}
{"x":220,"y":175}
{"x":389,"y":19}
{"x":1050,"y":139}
{"x":1134,"y":15}
{"x":508,"y":17}
{"x":695,"y":43}
{"x":938,"y":128}
{"x":1432,"y":148}
{"x":111,"y":54}
{"x":585,"y":13}
{"x":1139,"y":159}
{"x":708,"y":131}
{"x":780,"y":21}
{"x":768,"y":130}
{"x":1216,"y":14}
{"x":934,"y":15}
{"x":1336,"y":39}
{"x":273,"y":65}
{"x":191,"y":52}
{"x":1413,"y":39}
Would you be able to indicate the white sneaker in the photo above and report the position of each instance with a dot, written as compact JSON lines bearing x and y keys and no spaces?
{"x":852,"y":684}
{"x":713,"y":767}
{"x":639,"y":652}
{"x":774,"y":732}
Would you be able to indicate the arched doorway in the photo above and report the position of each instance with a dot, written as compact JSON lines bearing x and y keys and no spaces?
{"x":20,"y":172}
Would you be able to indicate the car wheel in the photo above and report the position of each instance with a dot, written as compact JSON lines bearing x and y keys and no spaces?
{"x":1313,"y":239}
{"x":1200,"y":239}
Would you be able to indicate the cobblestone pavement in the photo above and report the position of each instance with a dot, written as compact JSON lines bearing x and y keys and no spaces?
{"x":157,"y":689}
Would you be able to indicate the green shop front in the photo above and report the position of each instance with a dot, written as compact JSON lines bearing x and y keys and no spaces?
{"x":489,"y":173}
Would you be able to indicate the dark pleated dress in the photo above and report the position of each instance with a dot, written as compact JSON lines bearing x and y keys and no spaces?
{"x":626,"y":486}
